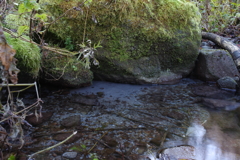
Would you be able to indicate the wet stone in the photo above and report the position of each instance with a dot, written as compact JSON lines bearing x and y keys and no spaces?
{"x":71,"y":121}
{"x":220,"y":104}
{"x":181,"y":152}
{"x":33,"y":120}
{"x":70,"y":155}
{"x":107,"y":152}
{"x":141,"y":150}
{"x":100,"y":94}
{"x":156,"y":140}
{"x":211,"y":92}
{"x":85,"y":100}
{"x":110,"y":141}
{"x":237,"y":112}
{"x":227,"y":82}
{"x":58,"y":158}
{"x":22,"y":156}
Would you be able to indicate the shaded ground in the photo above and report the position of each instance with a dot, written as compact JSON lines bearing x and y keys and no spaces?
{"x":122,"y":121}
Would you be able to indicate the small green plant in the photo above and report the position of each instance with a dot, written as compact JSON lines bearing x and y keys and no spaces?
{"x":68,"y":44}
{"x":82,"y":148}
{"x":30,"y":8}
{"x":11,"y":157}
{"x":86,"y":53}
{"x":93,"y":156}
{"x":74,"y":68}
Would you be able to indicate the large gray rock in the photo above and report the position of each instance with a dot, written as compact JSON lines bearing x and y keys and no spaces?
{"x":214,"y":64}
{"x":141,"y":71}
{"x":140,"y":44}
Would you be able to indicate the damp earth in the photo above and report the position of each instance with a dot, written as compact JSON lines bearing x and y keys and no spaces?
{"x":135,"y":122}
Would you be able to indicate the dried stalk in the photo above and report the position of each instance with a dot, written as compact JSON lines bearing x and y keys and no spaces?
{"x":96,"y":142}
{"x":49,"y":148}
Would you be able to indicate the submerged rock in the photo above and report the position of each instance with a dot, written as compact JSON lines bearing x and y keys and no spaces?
{"x":211,"y":92}
{"x":110,"y":141}
{"x":84,"y":100}
{"x":71,"y":121}
{"x":220,"y":104}
{"x":33,"y":120}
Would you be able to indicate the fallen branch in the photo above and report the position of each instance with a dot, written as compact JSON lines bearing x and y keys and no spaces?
{"x":96,"y":142}
{"x":49,"y":148}
{"x":232,"y":48}
{"x":29,"y":107}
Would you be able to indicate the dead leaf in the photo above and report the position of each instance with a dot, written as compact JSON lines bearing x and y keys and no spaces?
{"x":7,"y":58}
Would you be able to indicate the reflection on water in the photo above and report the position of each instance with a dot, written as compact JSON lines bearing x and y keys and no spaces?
{"x":210,"y":141}
{"x":212,"y":145}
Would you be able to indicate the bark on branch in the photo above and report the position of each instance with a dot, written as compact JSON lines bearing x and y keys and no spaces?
{"x":232,"y":48}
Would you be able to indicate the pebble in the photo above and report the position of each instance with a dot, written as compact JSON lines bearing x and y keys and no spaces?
{"x":70,"y":155}
{"x":71,"y":121}
{"x":58,"y":158}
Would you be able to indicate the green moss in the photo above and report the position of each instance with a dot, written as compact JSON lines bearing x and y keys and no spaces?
{"x":28,"y":55}
{"x":152,"y":19}
{"x":68,"y":68}
{"x":13,"y":21}
{"x":129,"y":29}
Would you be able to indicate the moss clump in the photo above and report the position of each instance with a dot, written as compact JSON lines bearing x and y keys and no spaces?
{"x":28,"y":55}
{"x":13,"y":21}
{"x":127,"y":28}
{"x":66,"y":71}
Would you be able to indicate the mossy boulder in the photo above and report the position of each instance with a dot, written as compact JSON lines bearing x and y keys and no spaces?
{"x":65,"y":71}
{"x":28,"y":56}
{"x":143,"y":41}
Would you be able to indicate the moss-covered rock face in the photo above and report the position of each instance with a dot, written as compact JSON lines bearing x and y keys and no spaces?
{"x":27,"y":54}
{"x":143,"y":41}
{"x":65,"y":71}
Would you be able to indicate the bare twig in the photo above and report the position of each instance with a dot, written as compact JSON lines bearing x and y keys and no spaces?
{"x":33,"y":105}
{"x":96,"y":142}
{"x":49,"y":148}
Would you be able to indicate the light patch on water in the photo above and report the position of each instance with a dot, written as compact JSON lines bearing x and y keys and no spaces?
{"x":196,"y":132}
{"x":205,"y":146}
{"x":208,"y":148}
